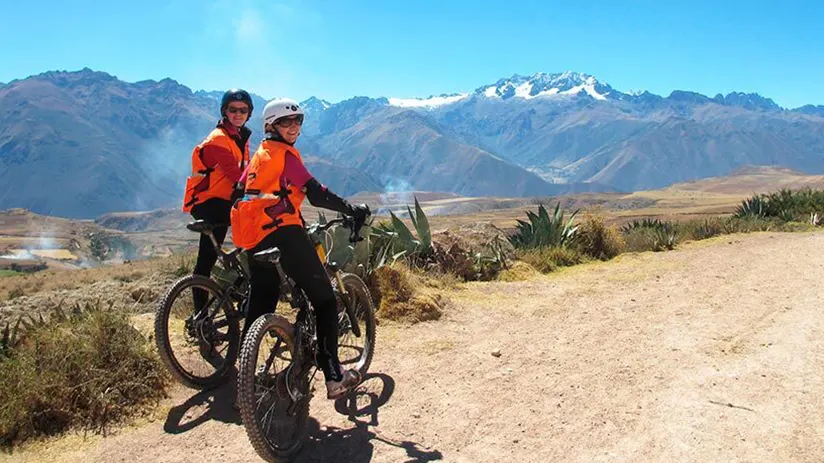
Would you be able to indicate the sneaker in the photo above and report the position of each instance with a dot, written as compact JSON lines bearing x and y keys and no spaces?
{"x":337,"y":389}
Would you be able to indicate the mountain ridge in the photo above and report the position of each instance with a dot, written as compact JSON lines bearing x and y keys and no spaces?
{"x":121,"y":146}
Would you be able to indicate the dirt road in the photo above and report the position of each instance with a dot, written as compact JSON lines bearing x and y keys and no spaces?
{"x":713,"y":352}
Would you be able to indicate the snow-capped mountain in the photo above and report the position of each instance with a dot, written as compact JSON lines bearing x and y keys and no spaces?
{"x":431,"y":102}
{"x":524,"y":87}
{"x":545,"y":85}
{"x":313,"y":104}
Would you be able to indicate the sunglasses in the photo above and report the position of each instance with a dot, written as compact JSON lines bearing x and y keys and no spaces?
{"x":286,"y":122}
{"x":234,"y":110}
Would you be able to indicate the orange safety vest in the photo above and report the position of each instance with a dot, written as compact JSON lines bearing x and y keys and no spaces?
{"x":268,"y":204}
{"x":207,"y":182}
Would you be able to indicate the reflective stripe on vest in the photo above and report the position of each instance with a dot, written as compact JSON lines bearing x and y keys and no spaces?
{"x":268,"y":204}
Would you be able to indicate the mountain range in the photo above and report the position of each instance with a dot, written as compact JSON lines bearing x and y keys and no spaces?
{"x":84,"y":143}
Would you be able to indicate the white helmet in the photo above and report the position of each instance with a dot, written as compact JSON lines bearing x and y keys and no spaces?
{"x":280,"y":107}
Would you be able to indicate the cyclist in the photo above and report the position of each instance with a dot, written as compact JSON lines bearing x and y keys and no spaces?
{"x":217,"y":165}
{"x":268,"y":215}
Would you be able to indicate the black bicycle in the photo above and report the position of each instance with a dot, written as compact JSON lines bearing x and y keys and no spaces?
{"x":198,"y":321}
{"x":277,"y":359}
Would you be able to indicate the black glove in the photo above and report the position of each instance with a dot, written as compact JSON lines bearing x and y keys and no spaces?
{"x":359,"y":212}
{"x":237,"y":192}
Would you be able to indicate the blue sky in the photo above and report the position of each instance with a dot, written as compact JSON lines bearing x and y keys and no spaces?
{"x":339,"y":49}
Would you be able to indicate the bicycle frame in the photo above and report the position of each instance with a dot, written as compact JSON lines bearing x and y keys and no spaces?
{"x":296,"y":297}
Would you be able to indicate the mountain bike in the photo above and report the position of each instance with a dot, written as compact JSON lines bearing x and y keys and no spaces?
{"x":198,"y":321}
{"x":277,"y":359}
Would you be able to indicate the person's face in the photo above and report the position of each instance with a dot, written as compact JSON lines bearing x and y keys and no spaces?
{"x":237,"y":113}
{"x":289,"y":127}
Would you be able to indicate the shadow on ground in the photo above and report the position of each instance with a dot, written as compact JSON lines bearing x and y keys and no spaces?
{"x":328,"y":444}
{"x":356,"y":445}
{"x":214,"y":404}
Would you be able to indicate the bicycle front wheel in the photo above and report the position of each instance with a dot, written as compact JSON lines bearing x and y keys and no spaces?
{"x":356,"y":326}
{"x":273,"y":389}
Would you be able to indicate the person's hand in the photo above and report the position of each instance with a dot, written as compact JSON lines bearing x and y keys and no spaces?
{"x":360,"y":212}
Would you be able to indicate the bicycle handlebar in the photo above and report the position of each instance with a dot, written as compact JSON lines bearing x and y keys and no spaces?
{"x":346,"y":222}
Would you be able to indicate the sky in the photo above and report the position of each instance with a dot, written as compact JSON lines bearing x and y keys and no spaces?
{"x":340,"y":49}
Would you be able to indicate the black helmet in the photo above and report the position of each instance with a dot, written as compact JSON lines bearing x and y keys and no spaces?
{"x":235,"y":94}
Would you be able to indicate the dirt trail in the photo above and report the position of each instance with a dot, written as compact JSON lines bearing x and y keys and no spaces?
{"x":713,"y":352}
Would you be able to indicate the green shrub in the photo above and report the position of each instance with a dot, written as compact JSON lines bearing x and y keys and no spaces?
{"x":393,"y":240}
{"x":701,"y":229}
{"x":749,"y":224}
{"x":80,"y":371}
{"x":650,"y":235}
{"x":751,"y":207}
{"x":785,"y":204}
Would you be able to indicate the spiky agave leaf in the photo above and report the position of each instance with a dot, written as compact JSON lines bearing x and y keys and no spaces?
{"x":422,"y":226}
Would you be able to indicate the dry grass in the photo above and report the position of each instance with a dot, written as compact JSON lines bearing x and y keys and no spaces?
{"x":518,"y":271}
{"x":82,"y":371}
{"x":52,"y":280}
{"x":547,"y":260}
{"x":597,"y":239}
{"x":399,"y":295}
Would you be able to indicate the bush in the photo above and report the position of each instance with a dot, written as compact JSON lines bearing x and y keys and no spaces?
{"x":650,"y":235}
{"x":751,"y":207}
{"x":82,"y":371}
{"x":179,"y":265}
{"x":393,"y":240}
{"x":701,"y":229}
{"x":105,"y":245}
{"x":394,"y":288}
{"x":785,"y":204}
{"x":749,"y":224}
{"x":518,"y":271}
{"x":597,"y":240}
{"x":546,"y":260}
{"x":544,"y":230}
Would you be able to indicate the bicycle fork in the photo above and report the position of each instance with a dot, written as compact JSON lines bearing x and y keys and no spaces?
{"x":350,"y":311}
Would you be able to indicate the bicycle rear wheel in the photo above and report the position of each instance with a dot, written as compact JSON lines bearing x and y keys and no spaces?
{"x":199,"y":349}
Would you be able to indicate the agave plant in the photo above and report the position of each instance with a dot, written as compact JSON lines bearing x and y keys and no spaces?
{"x":752,"y":207}
{"x":664,"y":238}
{"x":339,"y":250}
{"x":647,"y":223}
{"x":544,"y":230}
{"x":395,"y":239}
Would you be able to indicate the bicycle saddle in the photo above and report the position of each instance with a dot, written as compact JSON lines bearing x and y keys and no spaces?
{"x":271,"y":255}
{"x":201,"y":226}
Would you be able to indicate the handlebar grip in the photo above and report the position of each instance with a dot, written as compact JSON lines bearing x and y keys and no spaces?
{"x":356,"y":226}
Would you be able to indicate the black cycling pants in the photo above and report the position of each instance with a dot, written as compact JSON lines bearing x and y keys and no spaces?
{"x":300,"y":262}
{"x":214,"y":210}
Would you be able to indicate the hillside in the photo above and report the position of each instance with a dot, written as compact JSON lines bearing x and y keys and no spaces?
{"x":115,"y":146}
{"x":163,"y":232}
{"x":690,"y":355}
{"x":104,"y":145}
